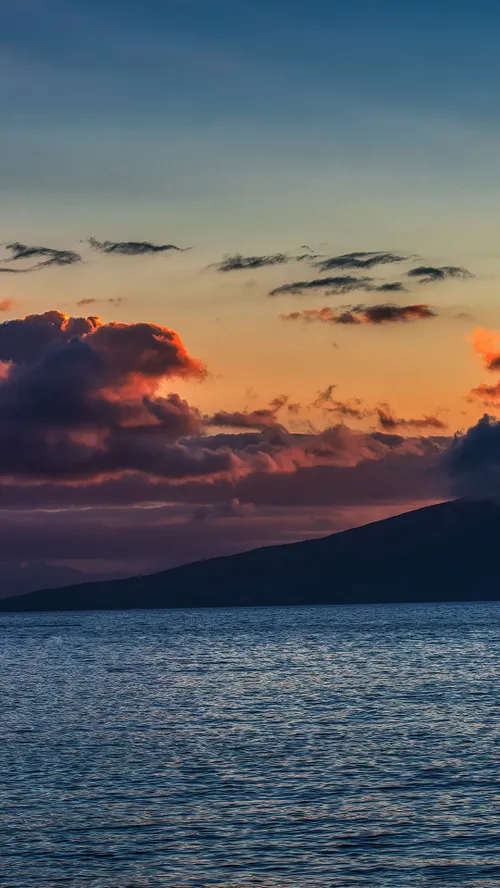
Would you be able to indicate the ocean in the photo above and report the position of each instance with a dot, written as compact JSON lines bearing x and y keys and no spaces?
{"x":304,"y":747}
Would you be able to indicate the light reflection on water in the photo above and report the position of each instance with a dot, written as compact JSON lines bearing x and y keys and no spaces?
{"x":281,"y":747}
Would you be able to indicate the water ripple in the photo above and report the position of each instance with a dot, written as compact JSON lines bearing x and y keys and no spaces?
{"x":251,"y":748}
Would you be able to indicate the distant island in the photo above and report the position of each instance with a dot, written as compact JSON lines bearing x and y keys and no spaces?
{"x":447,"y":552}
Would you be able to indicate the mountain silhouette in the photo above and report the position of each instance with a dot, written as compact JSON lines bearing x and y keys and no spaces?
{"x":447,"y":552}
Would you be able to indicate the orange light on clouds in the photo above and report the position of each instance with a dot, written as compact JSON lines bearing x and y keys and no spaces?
{"x":487,"y":344}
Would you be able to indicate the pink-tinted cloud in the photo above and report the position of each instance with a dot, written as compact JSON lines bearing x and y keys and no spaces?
{"x":362,"y":314}
{"x":79,"y":399}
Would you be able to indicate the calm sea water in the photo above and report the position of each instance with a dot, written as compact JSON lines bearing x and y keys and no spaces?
{"x":284,"y":747}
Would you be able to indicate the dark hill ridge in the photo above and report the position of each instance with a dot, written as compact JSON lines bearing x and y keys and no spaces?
{"x":448,"y":552}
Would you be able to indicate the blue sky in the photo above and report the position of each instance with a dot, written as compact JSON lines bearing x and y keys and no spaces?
{"x":207,"y":58}
{"x":194,"y":111}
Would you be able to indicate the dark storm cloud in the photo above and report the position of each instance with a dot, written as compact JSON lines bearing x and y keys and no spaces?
{"x":429,"y":274}
{"x":241,"y":263}
{"x":48,"y":256}
{"x":333,"y":285}
{"x":363,"y":314}
{"x":132,"y":248}
{"x":360,"y":261}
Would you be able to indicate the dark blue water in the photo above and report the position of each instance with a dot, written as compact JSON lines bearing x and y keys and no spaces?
{"x":284,"y":747}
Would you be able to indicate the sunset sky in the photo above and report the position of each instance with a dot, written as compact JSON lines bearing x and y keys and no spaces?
{"x":347,"y":155}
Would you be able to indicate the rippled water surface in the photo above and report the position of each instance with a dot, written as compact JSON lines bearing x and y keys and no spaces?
{"x":281,"y":747}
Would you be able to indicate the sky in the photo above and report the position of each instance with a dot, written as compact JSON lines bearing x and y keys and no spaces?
{"x":306,"y":330}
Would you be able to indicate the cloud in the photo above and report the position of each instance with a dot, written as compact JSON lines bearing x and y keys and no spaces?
{"x":80,"y":399}
{"x":335,"y":467}
{"x":266,"y":417}
{"x":278,"y":402}
{"x":241,"y":263}
{"x":360,"y":260}
{"x":388,"y":420}
{"x":88,"y":421}
{"x":395,"y":477}
{"x":280,"y":487}
{"x":348,"y":409}
{"x":113,"y":300}
{"x":6,"y":304}
{"x":430,"y":274}
{"x":362,"y":314}
{"x":333,"y":285}
{"x":486,"y":343}
{"x":394,"y":287}
{"x":228,"y":509}
{"x":308,"y":256}
{"x":474,"y":460}
{"x":354,"y":409}
{"x":131,"y":248}
{"x":324,"y":396}
{"x":486,"y":394}
{"x":48,"y":256}
{"x":241,"y":419}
